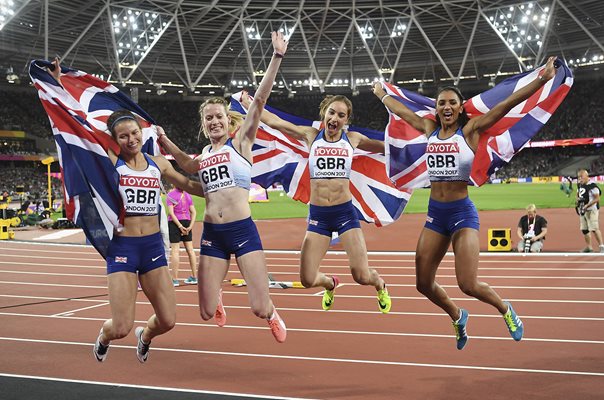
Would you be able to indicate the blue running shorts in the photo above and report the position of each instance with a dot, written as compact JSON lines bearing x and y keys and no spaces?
{"x":448,"y":218}
{"x":327,"y":219}
{"x":134,"y":253}
{"x":222,"y":240}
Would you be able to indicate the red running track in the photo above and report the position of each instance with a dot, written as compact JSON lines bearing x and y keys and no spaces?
{"x":53,"y":301}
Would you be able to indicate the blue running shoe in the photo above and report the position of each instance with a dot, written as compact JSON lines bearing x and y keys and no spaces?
{"x":460,"y":329}
{"x":513,"y":322}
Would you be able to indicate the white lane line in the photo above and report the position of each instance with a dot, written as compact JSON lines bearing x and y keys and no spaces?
{"x":71,"y":312}
{"x":52,"y":274}
{"x":336,"y":311}
{"x":335,"y":331}
{"x":296,"y":268}
{"x":343,"y":254}
{"x":277,"y":293}
{"x":166,"y":388}
{"x":325,"y":359}
{"x":58,"y":234}
{"x":321,"y":292}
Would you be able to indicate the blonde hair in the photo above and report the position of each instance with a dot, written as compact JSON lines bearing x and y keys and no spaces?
{"x":236,"y":117}
{"x":531,"y":208}
{"x":331,"y":99}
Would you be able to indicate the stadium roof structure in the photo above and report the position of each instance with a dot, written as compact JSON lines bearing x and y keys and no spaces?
{"x":222,"y":46}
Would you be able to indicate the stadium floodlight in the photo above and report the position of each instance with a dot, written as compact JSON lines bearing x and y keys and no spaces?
{"x":287,"y":30}
{"x":8,"y":9}
{"x":136,"y":32}
{"x":522,"y":26}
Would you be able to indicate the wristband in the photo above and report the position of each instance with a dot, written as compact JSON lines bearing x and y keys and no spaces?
{"x":278,"y":55}
{"x":383,"y":97}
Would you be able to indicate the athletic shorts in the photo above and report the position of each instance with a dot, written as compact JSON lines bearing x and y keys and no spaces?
{"x":132,"y":254}
{"x":327,"y":219}
{"x":175,"y":235}
{"x":222,"y":240}
{"x":448,"y":218}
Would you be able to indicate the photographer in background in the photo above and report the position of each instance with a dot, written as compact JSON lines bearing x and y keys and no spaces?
{"x":532,"y":229}
{"x":588,"y":208}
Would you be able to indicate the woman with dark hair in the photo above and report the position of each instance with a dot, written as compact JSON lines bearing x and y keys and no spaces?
{"x":452,"y":217}
{"x":225,"y":168}
{"x":136,"y":253}
{"x":331,"y":209}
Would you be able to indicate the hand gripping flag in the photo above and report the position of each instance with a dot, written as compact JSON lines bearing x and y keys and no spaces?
{"x":279,"y":158}
{"x":405,"y":146}
{"x":78,"y":111}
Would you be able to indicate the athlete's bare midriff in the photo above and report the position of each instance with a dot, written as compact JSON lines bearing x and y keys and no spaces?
{"x":329,"y":192}
{"x":227,"y":205}
{"x":448,"y":191}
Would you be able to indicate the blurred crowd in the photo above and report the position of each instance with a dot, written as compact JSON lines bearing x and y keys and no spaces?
{"x":577,"y":117}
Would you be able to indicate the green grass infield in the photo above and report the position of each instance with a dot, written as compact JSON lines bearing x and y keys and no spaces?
{"x":513,"y":196}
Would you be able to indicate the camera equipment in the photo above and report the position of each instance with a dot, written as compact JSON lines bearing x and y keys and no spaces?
{"x":527,"y":241}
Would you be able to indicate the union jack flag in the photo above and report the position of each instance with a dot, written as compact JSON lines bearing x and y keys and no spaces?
{"x":280,"y":158}
{"x":406,"y":147}
{"x":78,"y":111}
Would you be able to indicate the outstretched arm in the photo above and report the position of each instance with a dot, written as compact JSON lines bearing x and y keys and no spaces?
{"x":247,"y":134}
{"x":188,"y":164}
{"x":365,"y":143}
{"x":480,"y":124}
{"x":295,"y":131}
{"x":424,"y":125}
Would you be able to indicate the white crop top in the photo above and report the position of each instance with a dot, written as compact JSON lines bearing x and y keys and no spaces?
{"x":224,"y":168}
{"x":140,"y":190}
{"x":449,"y":160}
{"x":329,"y":160}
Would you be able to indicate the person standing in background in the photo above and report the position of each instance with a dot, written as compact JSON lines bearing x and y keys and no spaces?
{"x":181,"y":217}
{"x":588,"y":208}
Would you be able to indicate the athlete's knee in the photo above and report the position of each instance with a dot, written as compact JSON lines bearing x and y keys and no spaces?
{"x":469,"y":287}
{"x":120,"y":330}
{"x":362,"y":277}
{"x":261,"y":311}
{"x":308,"y":280}
{"x":166,"y":323}
{"x":205,"y":314}
{"x":424,"y":286}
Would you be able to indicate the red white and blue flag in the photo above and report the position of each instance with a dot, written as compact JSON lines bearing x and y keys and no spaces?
{"x":279,"y":158}
{"x":406,"y":147}
{"x":78,"y":111}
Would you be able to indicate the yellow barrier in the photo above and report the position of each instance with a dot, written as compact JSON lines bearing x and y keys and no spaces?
{"x":5,"y":232}
{"x":500,"y":240}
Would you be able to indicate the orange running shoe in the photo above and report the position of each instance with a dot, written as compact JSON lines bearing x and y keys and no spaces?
{"x":277,"y":327}
{"x":220,"y":314}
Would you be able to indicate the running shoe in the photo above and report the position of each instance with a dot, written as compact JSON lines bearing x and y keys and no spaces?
{"x":191,"y":280}
{"x":220,"y":314}
{"x":175,"y":282}
{"x":277,"y":327}
{"x":460,"y":329}
{"x":513,"y":322}
{"x":142,"y":348}
{"x":100,"y":350}
{"x":384,"y":301}
{"x":328,"y":295}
